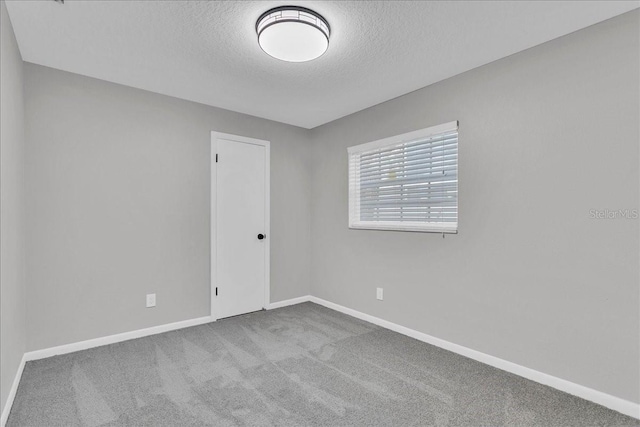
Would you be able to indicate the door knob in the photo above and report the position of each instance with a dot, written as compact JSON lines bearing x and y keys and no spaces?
{"x":261,"y":236}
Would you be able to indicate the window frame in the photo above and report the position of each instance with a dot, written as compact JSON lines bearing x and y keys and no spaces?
{"x":354,"y":175}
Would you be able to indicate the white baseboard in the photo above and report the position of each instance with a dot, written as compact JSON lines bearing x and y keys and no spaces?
{"x":111,"y":339}
{"x":287,"y":302}
{"x":12,"y":393}
{"x":125,"y":336}
{"x":612,"y":402}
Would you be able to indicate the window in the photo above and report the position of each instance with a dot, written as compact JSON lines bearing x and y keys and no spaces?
{"x":408,"y":182}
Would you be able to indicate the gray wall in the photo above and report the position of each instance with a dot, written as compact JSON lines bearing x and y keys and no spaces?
{"x":546,"y":135}
{"x":118,"y":183}
{"x":12,"y":280}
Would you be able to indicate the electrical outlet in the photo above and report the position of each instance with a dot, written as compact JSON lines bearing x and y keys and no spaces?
{"x":151,"y":300}
{"x":379,"y":293}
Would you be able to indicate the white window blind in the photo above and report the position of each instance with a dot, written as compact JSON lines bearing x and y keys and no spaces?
{"x":408,"y":182}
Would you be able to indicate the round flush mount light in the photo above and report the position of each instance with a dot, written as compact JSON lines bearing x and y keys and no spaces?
{"x":293,"y":33}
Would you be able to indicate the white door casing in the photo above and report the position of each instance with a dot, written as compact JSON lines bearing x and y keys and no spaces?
{"x":239,"y":213}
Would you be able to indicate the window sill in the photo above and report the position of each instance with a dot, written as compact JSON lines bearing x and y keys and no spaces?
{"x":415,"y":227}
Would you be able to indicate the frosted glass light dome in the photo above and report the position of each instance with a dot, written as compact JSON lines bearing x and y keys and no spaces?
{"x":293,"y":33}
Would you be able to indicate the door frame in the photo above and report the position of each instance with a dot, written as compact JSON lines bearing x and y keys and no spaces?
{"x":267,"y":213}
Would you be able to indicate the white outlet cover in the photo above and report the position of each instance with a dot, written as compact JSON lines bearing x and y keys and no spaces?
{"x":151,"y":300}
{"x":379,"y":294}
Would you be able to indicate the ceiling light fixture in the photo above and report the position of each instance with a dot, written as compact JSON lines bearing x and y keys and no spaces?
{"x":293,"y":33}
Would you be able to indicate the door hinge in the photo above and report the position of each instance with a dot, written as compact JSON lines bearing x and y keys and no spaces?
{"x":216,"y":291}
{"x":216,"y":157}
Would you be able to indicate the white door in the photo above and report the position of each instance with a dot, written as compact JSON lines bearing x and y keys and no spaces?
{"x":240,"y":172}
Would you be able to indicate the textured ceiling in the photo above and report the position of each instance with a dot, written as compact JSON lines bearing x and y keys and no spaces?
{"x":206,"y":51}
